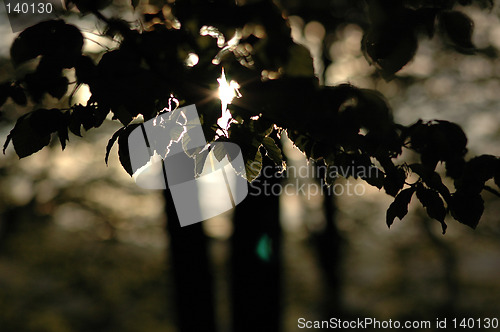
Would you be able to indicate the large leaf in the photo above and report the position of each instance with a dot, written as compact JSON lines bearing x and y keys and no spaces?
{"x":25,"y":138}
{"x":467,"y":208}
{"x":49,"y":37}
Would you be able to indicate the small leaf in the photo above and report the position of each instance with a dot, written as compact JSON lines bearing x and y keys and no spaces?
{"x":62,"y":133}
{"x":390,"y":47}
{"x":111,"y":142}
{"x":253,"y":167}
{"x":432,"y":179}
{"x":433,"y":204}
{"x":399,"y":208}
{"x":273,"y":151}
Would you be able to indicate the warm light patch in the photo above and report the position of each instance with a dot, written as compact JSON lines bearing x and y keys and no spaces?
{"x":227,"y":92}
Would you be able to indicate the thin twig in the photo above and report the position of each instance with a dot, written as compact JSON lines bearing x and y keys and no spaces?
{"x":103,"y":46}
{"x":491,"y":190}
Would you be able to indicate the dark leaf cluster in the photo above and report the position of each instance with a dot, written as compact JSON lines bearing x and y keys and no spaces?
{"x":344,"y":126}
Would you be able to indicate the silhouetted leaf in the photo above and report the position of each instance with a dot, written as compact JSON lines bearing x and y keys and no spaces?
{"x":47,"y":121}
{"x":431,"y":179}
{"x":373,"y":109}
{"x":90,"y":116}
{"x":26,"y":139}
{"x":467,"y":208}
{"x":62,"y":133}
{"x":390,"y":47}
{"x":399,"y":208}
{"x":374,"y":177}
{"x":433,"y":204}
{"x":437,"y":141}
{"x":455,"y":167}
{"x":394,"y":181}
{"x":123,"y":150}
{"x":111,"y":142}
{"x":477,"y":171}
{"x":49,"y":37}
{"x":458,"y":27}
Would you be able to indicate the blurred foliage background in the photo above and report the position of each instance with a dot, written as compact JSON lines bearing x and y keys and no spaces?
{"x":84,"y":249}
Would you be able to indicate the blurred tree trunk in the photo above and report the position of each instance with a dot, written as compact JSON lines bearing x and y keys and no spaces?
{"x":256,"y":259}
{"x":449,"y":262}
{"x":329,"y":244}
{"x":192,"y":275}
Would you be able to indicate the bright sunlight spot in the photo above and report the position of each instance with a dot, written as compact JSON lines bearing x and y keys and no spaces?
{"x":227,"y":92}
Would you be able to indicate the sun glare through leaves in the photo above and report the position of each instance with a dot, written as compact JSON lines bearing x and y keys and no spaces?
{"x":227,"y":92}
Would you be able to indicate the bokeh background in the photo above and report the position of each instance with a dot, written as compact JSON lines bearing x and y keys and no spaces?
{"x":84,"y":249}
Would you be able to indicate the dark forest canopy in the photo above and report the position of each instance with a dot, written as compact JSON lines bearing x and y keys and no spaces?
{"x":343,"y":126}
